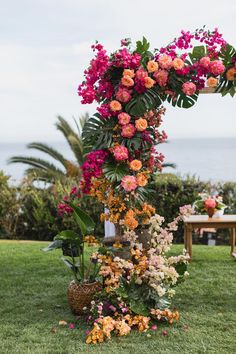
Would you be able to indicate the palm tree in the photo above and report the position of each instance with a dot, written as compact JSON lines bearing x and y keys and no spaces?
{"x":43,"y":170}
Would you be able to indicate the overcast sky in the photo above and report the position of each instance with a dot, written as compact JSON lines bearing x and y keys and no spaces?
{"x":45,"y":46}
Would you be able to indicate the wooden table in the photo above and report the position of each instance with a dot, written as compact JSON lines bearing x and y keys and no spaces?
{"x":203,"y":221}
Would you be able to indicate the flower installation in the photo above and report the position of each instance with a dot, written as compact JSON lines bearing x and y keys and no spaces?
{"x":122,"y":160}
{"x":212,"y":205}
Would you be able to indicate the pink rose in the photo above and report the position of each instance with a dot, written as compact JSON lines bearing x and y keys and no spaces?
{"x":128,"y":130}
{"x":123,"y":95}
{"x":141,"y":74}
{"x":210,"y":203}
{"x":129,"y":183}
{"x":161,"y":77}
{"x":204,"y":62}
{"x":216,"y":67}
{"x":124,"y":118}
{"x":120,"y":153}
{"x":165,"y":61}
{"x":189,"y":88}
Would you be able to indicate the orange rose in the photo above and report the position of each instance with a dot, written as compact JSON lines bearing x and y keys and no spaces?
{"x":231,"y":74}
{"x":115,"y":106}
{"x":141,"y":180}
{"x":178,"y":64}
{"x":127,"y":81}
{"x":131,"y":223}
{"x":135,"y":165}
{"x":152,"y":66}
{"x":212,"y":82}
{"x":148,"y":82}
{"x":141,"y":124}
{"x":129,"y":72}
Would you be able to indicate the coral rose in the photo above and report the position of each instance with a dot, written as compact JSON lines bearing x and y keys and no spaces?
{"x":161,"y":77}
{"x":124,"y":118}
{"x":141,"y":74}
{"x":165,"y":61}
{"x":148,"y":82}
{"x":178,"y":64}
{"x":123,"y":95}
{"x":120,"y":153}
{"x":204,"y":62}
{"x":141,"y":180}
{"x":210,"y":203}
{"x":129,"y":183}
{"x":212,"y":82}
{"x":128,"y":131}
{"x":231,"y":74}
{"x":115,"y":106}
{"x":216,"y":67}
{"x":128,"y":72}
{"x":152,"y":66}
{"x":189,"y":88}
{"x":135,"y":165}
{"x":141,"y":124}
{"x":127,"y":81}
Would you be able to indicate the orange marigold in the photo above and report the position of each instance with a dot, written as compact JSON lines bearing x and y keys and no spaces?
{"x":141,"y":179}
{"x":135,"y":165}
{"x":231,"y":74}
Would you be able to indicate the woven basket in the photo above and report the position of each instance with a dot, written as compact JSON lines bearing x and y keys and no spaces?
{"x":80,"y":295}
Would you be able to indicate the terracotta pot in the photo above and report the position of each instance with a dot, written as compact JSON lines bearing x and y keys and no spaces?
{"x":210,"y":212}
{"x":80,"y":295}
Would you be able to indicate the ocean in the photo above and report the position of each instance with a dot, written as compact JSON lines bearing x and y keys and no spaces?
{"x":210,"y":159}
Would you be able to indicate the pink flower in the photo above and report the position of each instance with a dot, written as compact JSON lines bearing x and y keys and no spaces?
{"x":128,"y":130}
{"x":154,"y":327}
{"x":216,"y":67}
{"x":161,"y":77}
{"x":124,"y":118}
{"x":141,"y":74}
{"x":123,"y":95}
{"x":120,"y":153}
{"x":204,"y":62}
{"x":210,"y":203}
{"x":189,"y":88}
{"x":164,"y":332}
{"x":129,"y":183}
{"x":71,"y":326}
{"x":165,"y":61}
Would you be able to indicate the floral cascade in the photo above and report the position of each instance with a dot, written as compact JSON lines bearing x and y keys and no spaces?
{"x":130,"y":87}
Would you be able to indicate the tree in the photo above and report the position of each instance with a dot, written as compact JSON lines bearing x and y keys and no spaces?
{"x":43,"y":170}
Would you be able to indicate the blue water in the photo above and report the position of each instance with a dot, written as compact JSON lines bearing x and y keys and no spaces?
{"x":210,"y":159}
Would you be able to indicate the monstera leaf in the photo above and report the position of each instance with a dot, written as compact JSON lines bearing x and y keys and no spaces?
{"x":114,"y":172}
{"x":97,"y":133}
{"x":227,"y":54}
{"x":143,"y":103}
{"x":182,"y":100}
{"x":197,"y":53}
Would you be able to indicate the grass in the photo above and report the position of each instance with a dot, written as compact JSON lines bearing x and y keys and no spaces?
{"x":33,"y":299}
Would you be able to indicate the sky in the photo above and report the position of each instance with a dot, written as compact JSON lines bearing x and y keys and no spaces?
{"x":45,"y":47}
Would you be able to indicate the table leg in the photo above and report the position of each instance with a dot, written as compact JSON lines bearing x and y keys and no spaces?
{"x":185,"y":237}
{"x":232,"y":240}
{"x":190,"y":243}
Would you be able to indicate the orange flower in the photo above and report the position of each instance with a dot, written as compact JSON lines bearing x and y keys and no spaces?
{"x":141,"y":124}
{"x":231,"y":74}
{"x":127,"y":81}
{"x":152,"y":66}
{"x":141,"y":180}
{"x":178,"y":64}
{"x":212,"y":82}
{"x":148,"y":82}
{"x":135,"y":165}
{"x":115,"y":106}
{"x":128,"y":72}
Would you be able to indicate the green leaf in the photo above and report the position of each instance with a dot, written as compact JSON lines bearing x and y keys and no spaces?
{"x":138,"y":307}
{"x":143,"y":102}
{"x":114,"y":172}
{"x":52,"y":246}
{"x":69,"y":264}
{"x":227,"y":54}
{"x":183,"y":101}
{"x":84,"y":221}
{"x":142,"y":46}
{"x":197,"y":53}
{"x":69,"y":235}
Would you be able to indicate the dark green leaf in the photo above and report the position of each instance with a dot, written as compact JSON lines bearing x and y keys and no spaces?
{"x":52,"y":246}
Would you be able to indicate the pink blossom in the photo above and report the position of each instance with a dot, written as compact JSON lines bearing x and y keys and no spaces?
{"x":210,"y":203}
{"x":124,"y":118}
{"x":71,"y":326}
{"x":123,"y":95}
{"x":161,"y":77}
{"x":216,"y":67}
{"x":128,"y":130}
{"x":129,"y":183}
{"x":120,"y":153}
{"x":204,"y":62}
{"x":154,"y":327}
{"x":165,"y":61}
{"x":189,"y":88}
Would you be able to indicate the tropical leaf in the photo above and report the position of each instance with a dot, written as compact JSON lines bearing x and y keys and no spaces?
{"x":182,"y":100}
{"x":197,"y":53}
{"x":143,"y":102}
{"x":84,"y":221}
{"x":68,"y":235}
{"x":227,"y":54}
{"x":52,"y":246}
{"x":114,"y":172}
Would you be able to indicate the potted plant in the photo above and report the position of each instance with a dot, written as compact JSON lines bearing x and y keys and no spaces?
{"x":212,"y":205}
{"x":85,"y":283}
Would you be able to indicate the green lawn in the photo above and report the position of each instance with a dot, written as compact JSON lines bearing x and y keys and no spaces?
{"x":33,"y":299}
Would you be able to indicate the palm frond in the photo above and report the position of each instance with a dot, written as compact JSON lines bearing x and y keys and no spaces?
{"x":169,"y":164}
{"x":37,"y":174}
{"x":36,"y":162}
{"x":48,"y":150}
